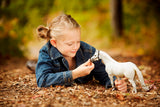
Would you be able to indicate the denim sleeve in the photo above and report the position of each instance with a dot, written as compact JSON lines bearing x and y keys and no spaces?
{"x":45,"y":74}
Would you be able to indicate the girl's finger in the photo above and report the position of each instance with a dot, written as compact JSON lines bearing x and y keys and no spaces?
{"x":124,"y":79}
{"x":119,"y":82}
{"x":87,"y":62}
{"x":121,"y":86}
{"x":123,"y":89}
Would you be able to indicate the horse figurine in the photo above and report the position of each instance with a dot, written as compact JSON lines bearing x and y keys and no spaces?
{"x":114,"y":68}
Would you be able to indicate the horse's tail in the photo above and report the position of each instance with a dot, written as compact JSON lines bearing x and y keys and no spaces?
{"x":140,"y":76}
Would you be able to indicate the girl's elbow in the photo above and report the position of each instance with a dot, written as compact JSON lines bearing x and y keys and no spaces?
{"x":39,"y":84}
{"x":42,"y":84}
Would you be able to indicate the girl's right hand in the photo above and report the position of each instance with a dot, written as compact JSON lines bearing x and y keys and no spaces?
{"x":83,"y":69}
{"x":121,"y":85}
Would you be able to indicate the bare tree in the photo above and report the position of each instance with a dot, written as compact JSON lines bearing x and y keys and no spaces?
{"x":4,"y":3}
{"x":116,"y":15}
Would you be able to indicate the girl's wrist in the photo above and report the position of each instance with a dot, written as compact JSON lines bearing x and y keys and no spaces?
{"x":75,"y":74}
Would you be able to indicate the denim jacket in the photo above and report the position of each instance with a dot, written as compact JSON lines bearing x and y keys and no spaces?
{"x":53,"y":69}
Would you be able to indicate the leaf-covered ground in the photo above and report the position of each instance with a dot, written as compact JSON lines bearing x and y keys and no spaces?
{"x":18,"y":88}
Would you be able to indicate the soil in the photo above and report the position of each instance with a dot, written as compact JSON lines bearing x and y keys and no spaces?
{"x":18,"y":88}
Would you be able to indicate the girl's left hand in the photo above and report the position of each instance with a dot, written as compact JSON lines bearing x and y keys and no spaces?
{"x":83,"y":70}
{"x":121,"y":85}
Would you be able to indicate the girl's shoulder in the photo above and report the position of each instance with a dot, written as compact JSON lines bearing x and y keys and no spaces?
{"x":87,"y":48}
{"x":50,"y":51}
{"x":46,"y":47}
{"x":86,"y":45}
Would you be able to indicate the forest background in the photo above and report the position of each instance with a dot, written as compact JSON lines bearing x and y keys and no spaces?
{"x":128,"y":30}
{"x":141,"y":35}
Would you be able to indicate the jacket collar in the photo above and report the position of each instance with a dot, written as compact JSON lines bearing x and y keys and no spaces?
{"x":80,"y":56}
{"x":53,"y":52}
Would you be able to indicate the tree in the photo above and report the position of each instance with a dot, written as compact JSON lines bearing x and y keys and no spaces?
{"x":116,"y":15}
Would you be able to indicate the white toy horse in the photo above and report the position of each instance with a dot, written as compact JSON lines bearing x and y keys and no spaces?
{"x":114,"y":68}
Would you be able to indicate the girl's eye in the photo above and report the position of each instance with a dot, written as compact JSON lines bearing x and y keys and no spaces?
{"x":69,"y":44}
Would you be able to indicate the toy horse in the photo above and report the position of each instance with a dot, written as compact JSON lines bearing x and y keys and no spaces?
{"x":114,"y":68}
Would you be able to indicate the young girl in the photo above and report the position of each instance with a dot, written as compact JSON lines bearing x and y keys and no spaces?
{"x":65,"y":58}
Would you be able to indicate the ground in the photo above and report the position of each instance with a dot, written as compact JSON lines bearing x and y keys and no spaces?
{"x":18,"y":87}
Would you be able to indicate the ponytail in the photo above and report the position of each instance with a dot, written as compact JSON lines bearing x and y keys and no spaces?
{"x":43,"y":32}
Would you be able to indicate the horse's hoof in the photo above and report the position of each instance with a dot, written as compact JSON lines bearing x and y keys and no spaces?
{"x":113,"y":89}
{"x":134,"y":91}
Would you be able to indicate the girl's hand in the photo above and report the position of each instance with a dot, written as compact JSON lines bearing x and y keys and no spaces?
{"x":121,"y":85}
{"x":83,"y":69}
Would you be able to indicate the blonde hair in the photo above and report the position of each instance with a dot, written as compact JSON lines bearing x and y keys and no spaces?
{"x":57,"y":25}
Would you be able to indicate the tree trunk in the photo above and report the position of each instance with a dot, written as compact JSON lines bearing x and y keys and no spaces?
{"x":4,"y":3}
{"x":116,"y":15}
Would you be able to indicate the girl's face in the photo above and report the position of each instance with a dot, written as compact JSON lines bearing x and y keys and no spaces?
{"x":69,"y":43}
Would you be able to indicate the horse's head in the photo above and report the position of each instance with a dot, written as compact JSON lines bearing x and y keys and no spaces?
{"x":95,"y":57}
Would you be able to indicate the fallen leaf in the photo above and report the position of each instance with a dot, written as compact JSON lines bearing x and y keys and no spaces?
{"x":36,"y":96}
{"x":41,"y":92}
{"x":120,"y":97}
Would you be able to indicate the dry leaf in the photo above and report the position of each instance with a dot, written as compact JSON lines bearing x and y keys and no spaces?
{"x":120,"y":97}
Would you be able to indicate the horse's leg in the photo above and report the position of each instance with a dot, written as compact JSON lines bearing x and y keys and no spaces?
{"x":111,"y":79}
{"x":134,"y":85}
{"x":118,"y":78}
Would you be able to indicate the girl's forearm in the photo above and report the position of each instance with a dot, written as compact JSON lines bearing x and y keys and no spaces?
{"x":75,"y":74}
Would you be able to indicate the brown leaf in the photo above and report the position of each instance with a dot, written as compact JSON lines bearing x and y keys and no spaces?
{"x":36,"y":96}
{"x":120,"y":97}
{"x":41,"y":92}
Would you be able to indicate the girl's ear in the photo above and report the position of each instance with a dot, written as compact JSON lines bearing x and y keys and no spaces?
{"x":53,"y":42}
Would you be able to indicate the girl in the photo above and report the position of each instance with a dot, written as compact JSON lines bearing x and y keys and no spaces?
{"x":65,"y":58}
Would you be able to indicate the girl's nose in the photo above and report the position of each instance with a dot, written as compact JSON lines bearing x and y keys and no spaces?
{"x":75,"y":47}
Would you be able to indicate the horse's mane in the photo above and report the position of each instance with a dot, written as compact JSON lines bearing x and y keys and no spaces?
{"x":105,"y":57}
